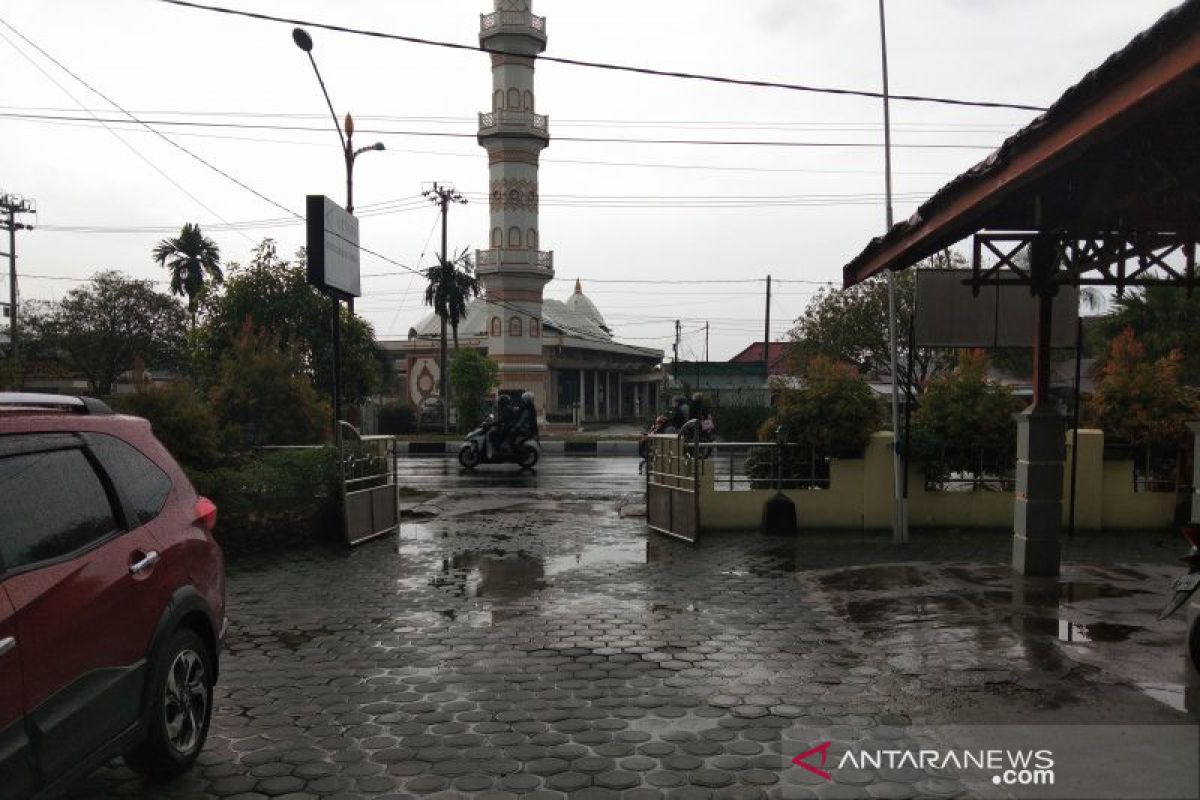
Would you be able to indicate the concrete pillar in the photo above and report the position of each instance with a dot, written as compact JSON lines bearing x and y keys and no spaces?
{"x":1037,"y":516}
{"x":1195,"y":426}
{"x":878,"y":479}
{"x":620,"y":394}
{"x":596,"y":393}
{"x":1089,"y":491}
{"x":582,"y":396}
{"x":608,"y":395}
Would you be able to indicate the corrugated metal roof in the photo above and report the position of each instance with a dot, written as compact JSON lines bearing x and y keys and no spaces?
{"x":1169,"y":29}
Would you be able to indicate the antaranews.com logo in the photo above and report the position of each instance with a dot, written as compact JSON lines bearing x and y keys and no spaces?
{"x":1022,"y":767}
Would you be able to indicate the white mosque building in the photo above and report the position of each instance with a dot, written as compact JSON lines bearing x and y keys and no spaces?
{"x":561,"y":350}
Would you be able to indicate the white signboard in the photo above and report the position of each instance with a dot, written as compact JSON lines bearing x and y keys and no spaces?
{"x":950,"y":314}
{"x":333,"y":253}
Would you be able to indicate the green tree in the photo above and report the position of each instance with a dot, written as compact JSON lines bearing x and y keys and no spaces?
{"x":263,"y":394}
{"x":1139,"y":399}
{"x":274,"y":294}
{"x":100,"y":328}
{"x":965,"y":424}
{"x":192,"y":259}
{"x":472,"y":376}
{"x":1164,"y":320}
{"x":835,"y":412}
{"x":182,"y":420}
{"x":449,"y":288}
{"x":851,"y":326}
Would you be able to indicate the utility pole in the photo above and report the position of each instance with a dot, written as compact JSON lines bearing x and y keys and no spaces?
{"x":675,"y":366}
{"x":900,"y":521}
{"x":706,"y":341}
{"x":12,"y":205}
{"x":443,"y":195}
{"x":767,"y":336}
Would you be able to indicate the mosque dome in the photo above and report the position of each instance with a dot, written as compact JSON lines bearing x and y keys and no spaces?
{"x":581,"y":305}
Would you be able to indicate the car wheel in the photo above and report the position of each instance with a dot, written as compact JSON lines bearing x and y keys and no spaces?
{"x":468,"y":456}
{"x":180,"y":708}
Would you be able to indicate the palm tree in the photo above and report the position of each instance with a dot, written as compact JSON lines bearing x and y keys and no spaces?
{"x":192,"y":259}
{"x":451,"y":286}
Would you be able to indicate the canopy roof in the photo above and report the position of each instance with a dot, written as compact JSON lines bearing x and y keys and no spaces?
{"x":1117,"y":152}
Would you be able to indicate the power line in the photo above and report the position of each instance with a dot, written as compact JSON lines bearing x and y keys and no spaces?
{"x":457,"y":135}
{"x":608,"y":66}
{"x":146,"y":125}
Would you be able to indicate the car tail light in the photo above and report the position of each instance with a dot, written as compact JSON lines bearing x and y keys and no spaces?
{"x":206,"y":514}
{"x":1192,"y":534}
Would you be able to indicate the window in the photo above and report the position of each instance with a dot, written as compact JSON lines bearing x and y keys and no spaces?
{"x":531,"y":239}
{"x":535,"y":328}
{"x":498,"y":100}
{"x":497,"y":328}
{"x":138,"y":479}
{"x":514,"y":326}
{"x":514,"y":98}
{"x":528,"y":100}
{"x":514,"y":236}
{"x":54,"y":504}
{"x":497,"y":237}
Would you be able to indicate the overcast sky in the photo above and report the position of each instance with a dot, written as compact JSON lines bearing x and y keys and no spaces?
{"x":817,"y":206}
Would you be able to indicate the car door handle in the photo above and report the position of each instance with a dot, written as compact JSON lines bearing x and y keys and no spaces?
{"x":144,"y":563}
{"x":7,"y":644}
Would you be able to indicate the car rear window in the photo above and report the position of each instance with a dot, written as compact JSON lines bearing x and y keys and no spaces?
{"x":138,"y":479}
{"x":53,"y":504}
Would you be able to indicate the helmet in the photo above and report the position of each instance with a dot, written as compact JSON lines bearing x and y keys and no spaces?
{"x":678,"y":400}
{"x":698,"y":398}
{"x":527,"y":398}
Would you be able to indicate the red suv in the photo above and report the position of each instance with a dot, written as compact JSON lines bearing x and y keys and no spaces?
{"x":112,"y":597}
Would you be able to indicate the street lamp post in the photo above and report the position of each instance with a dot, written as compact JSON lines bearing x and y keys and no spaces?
{"x":345,"y":133}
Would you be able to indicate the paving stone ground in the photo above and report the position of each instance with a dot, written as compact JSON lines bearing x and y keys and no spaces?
{"x":551,"y":648}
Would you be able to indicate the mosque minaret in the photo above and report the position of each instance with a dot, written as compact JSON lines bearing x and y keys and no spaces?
{"x":513,"y":269}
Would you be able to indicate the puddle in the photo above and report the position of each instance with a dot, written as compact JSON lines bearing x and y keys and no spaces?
{"x":1075,"y":632}
{"x":891,"y":576}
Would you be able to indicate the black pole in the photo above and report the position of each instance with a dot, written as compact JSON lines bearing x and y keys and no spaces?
{"x":445,"y":204}
{"x":337,"y":367}
{"x":910,"y":397}
{"x":767,"y":336}
{"x":1075,"y":423}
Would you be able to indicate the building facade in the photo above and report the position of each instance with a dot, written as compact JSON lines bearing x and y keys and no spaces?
{"x":561,"y":351}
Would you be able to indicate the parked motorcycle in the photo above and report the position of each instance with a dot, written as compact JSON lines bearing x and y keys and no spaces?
{"x":476,"y":451}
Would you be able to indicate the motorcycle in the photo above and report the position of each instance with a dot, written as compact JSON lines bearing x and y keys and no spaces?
{"x":1186,"y":585}
{"x":476,"y":451}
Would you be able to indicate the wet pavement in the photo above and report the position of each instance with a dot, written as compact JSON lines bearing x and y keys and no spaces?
{"x":522,"y":638}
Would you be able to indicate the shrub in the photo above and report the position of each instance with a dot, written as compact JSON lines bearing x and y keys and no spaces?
{"x":181,"y":419}
{"x":264,"y":396}
{"x":472,"y":376}
{"x":965,"y":424}
{"x":272,"y":498}
{"x":1141,"y":401}
{"x":397,"y":418}
{"x":835,"y":412}
{"x":740,"y":423}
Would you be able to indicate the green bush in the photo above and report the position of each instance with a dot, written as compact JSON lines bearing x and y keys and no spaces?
{"x":740,"y":423}
{"x":396,"y":419}
{"x":965,"y":424}
{"x":181,"y":419}
{"x":271,"y":498}
{"x":264,"y":396}
{"x":472,"y":376}
{"x":835,"y":412}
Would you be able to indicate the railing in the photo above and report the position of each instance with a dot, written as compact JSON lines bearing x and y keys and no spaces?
{"x":524,"y":121}
{"x":1155,"y":469}
{"x":542,"y":259}
{"x":512,"y":19}
{"x":742,"y":466}
{"x":970,"y":470}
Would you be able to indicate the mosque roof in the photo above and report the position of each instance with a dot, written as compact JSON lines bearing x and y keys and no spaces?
{"x":578,"y":318}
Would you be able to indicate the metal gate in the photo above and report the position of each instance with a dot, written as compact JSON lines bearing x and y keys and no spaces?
{"x":673,"y":470}
{"x":370,"y":493}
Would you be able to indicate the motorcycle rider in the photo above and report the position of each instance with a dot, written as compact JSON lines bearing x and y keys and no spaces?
{"x":678,"y":415}
{"x":503,"y":423}
{"x":525,"y":424}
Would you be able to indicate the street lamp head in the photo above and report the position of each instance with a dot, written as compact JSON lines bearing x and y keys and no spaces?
{"x":302,"y":39}
{"x":348,"y":125}
{"x":378,"y":146}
